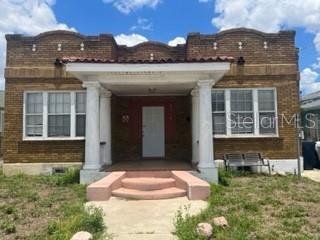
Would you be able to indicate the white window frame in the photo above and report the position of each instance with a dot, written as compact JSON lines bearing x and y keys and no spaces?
{"x":45,"y":117}
{"x":256,"y":133}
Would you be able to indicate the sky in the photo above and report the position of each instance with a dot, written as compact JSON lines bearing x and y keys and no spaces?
{"x":169,"y":21}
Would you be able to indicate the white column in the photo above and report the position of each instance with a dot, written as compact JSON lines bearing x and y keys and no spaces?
{"x":105,"y":127}
{"x":205,"y":125}
{"x":92,"y":148}
{"x":195,"y":126}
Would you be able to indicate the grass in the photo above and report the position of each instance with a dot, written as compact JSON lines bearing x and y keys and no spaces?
{"x":46,"y":207}
{"x":259,"y":207}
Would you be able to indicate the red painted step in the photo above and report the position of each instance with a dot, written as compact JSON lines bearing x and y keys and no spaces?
{"x":166,"y":193}
{"x":148,"y":183}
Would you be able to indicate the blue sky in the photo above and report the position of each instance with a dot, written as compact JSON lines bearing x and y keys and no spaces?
{"x":133,"y":21}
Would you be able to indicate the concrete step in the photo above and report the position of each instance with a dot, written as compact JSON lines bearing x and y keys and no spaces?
{"x":166,"y":193}
{"x":148,"y":183}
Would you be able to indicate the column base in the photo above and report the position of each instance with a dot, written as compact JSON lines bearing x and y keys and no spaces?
{"x":89,"y":176}
{"x":209,"y":174}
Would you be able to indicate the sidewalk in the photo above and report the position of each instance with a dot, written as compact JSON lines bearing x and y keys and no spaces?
{"x":144,"y":219}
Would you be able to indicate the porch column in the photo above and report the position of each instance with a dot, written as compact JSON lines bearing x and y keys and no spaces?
{"x":206,"y":162}
{"x":195,"y":126}
{"x":105,"y":127}
{"x":92,"y":147}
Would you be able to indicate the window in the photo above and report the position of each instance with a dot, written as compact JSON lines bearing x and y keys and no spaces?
{"x":34,"y":114}
{"x":219,"y":114}
{"x":59,"y":112}
{"x":242,"y":117}
{"x":80,"y":114}
{"x":267,"y":114}
{"x":54,"y":115}
{"x":244,"y":112}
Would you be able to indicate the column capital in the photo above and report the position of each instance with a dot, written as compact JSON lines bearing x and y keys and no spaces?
{"x":205,"y":83}
{"x":105,"y":93}
{"x":91,"y":84}
{"x":195,"y":92}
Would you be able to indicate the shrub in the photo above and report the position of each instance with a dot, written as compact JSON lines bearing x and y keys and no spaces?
{"x":224,"y":177}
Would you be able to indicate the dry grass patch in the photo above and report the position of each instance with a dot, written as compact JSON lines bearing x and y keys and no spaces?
{"x":261,"y":207}
{"x":47,"y":207}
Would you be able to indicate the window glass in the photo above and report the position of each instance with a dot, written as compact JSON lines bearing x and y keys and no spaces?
{"x":34,"y":114}
{"x":266,"y":100}
{"x":59,"y":109}
{"x":218,"y":112}
{"x":80,"y":114}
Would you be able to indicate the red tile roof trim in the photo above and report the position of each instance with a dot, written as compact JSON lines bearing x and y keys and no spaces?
{"x":66,"y":60}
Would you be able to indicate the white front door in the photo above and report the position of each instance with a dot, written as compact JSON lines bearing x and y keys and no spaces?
{"x":153,"y":143}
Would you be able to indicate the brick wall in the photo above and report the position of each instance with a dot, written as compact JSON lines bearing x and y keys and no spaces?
{"x":282,"y":147}
{"x":127,"y":136}
{"x":275,"y":66}
{"x":15,"y":149}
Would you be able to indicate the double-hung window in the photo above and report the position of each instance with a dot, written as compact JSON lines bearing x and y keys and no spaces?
{"x":54,"y":115}
{"x":244,"y":112}
{"x":219,"y":113}
{"x":34,"y":115}
{"x":267,"y":112}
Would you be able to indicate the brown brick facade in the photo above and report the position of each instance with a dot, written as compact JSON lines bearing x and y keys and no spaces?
{"x":26,"y":70}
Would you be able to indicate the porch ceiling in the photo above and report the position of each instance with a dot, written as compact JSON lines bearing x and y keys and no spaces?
{"x":148,"y":79}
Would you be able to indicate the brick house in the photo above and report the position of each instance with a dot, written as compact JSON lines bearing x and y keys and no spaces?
{"x":74,"y":100}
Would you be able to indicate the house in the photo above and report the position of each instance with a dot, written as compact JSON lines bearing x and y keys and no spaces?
{"x":310,"y":114}
{"x":75,"y":100}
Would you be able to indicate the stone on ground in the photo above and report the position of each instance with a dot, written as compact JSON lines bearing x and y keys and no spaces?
{"x":204,"y":230}
{"x":220,"y":222}
{"x":82,"y":236}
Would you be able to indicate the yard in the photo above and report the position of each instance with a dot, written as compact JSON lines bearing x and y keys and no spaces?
{"x":256,"y":207}
{"x":260,"y":207}
{"x":39,"y":208}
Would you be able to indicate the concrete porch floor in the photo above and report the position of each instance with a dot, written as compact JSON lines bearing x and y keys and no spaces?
{"x":149,"y":165}
{"x":145,"y":219}
{"x":312,"y":174}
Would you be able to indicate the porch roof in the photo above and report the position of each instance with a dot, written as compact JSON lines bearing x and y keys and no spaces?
{"x":161,"y":77}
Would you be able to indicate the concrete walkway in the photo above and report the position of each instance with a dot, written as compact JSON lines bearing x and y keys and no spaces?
{"x":312,"y":174}
{"x":144,"y":219}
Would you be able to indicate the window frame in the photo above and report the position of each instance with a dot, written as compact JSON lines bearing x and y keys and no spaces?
{"x":256,"y":114}
{"x":45,"y":136}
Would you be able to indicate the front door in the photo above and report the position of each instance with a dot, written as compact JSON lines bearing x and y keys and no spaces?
{"x":153,"y":139}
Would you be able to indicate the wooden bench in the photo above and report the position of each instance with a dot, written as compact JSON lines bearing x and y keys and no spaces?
{"x":246,"y":160}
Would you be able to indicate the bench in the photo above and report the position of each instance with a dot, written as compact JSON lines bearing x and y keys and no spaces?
{"x":246,"y":160}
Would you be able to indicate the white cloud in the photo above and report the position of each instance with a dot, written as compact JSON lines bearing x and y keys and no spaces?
{"x":316,"y":65}
{"x":317,"y":42}
{"x":271,"y":16}
{"x":310,"y":81}
{"x":127,"y":6}
{"x":142,"y":24}
{"x":25,"y":17}
{"x":176,"y":41}
{"x":130,"y":40}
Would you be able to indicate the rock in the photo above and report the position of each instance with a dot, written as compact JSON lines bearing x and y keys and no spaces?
{"x":82,"y":236}
{"x":220,"y":222}
{"x":204,"y":229}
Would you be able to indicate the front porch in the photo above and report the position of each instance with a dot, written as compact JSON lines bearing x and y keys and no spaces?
{"x":148,"y":116}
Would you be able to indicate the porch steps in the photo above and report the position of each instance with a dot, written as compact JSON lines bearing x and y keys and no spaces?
{"x":165,"y":193}
{"x":149,"y":185}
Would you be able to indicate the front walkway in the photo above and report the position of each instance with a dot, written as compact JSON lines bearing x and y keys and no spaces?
{"x":144,"y":219}
{"x":312,"y":174}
